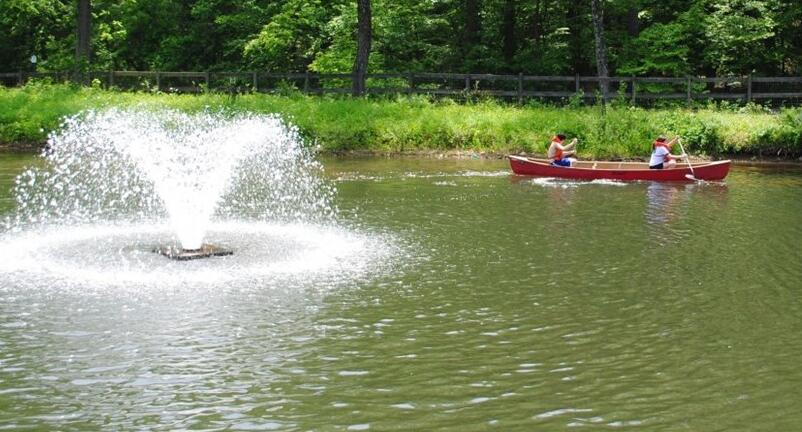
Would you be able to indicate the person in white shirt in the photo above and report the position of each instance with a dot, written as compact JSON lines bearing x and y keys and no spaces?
{"x":661,"y":155}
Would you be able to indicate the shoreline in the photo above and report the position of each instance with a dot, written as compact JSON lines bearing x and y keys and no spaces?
{"x":422,"y":127}
{"x":745,"y":160}
{"x":462,"y":154}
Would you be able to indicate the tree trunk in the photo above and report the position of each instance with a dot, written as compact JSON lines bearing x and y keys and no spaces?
{"x":633,"y":26}
{"x":510,"y":44}
{"x":536,"y":29}
{"x":536,"y":26}
{"x":575,"y":25}
{"x":601,"y":49}
{"x":473,"y":27}
{"x":84,"y":25}
{"x":364,"y":37}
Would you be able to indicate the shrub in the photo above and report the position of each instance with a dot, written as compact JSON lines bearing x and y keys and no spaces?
{"x":399,"y":122}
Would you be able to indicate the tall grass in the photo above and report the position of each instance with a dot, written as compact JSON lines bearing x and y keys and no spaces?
{"x":406,"y":123}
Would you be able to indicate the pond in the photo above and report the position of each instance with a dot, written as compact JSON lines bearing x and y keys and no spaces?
{"x":498,"y":302}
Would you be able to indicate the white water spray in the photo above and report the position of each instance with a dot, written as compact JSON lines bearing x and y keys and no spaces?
{"x":135,"y":165}
{"x":114,"y":186}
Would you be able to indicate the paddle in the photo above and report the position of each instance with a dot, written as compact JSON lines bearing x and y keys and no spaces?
{"x":690,"y":176}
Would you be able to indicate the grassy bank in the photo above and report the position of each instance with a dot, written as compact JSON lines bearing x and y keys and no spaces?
{"x":397,"y":124}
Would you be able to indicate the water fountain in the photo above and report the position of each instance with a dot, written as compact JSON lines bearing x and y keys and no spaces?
{"x":117,"y":185}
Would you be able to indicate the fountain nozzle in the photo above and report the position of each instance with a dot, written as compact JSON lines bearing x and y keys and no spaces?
{"x":181,"y":254}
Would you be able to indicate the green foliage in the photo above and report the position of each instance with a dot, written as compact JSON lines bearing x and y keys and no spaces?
{"x":401,"y":123}
{"x":783,"y":139}
{"x":700,"y":136}
{"x":659,"y":50}
{"x":577,"y":99}
{"x":411,"y":35}
{"x":291,"y":38}
{"x":41,"y":27}
{"x":737,"y":31}
{"x":537,"y":37}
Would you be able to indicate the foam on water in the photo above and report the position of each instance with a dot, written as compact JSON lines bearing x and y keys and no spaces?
{"x":567,"y":183}
{"x":121,"y":254}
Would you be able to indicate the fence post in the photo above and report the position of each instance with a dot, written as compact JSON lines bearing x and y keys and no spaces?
{"x":749,"y":88}
{"x":255,"y":82}
{"x":208,"y":77}
{"x":520,"y":88}
{"x":410,"y":83}
{"x":604,"y":84}
{"x":111,"y":78}
{"x":467,"y":83}
{"x":158,"y":81}
{"x":576,"y":83}
{"x":306,"y":81}
{"x":688,"y":80}
{"x":634,"y":90}
{"x":20,"y":79}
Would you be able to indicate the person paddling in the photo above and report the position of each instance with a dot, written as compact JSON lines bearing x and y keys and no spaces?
{"x":558,"y":153}
{"x":661,"y":154}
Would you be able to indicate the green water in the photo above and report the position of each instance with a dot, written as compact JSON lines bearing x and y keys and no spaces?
{"x":509,"y":303}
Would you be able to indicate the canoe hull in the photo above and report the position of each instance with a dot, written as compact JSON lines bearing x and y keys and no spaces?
{"x":625,"y":171}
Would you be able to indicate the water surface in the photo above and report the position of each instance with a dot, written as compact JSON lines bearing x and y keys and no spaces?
{"x":504,"y":303}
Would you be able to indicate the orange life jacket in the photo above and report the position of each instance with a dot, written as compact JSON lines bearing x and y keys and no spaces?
{"x":559,"y":154}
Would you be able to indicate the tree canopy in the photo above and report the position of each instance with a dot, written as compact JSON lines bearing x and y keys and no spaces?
{"x":554,"y":37}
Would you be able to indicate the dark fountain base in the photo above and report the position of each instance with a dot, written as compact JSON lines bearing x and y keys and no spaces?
{"x":205,"y":251}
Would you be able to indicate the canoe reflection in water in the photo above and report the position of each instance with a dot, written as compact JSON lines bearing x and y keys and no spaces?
{"x":669,"y":204}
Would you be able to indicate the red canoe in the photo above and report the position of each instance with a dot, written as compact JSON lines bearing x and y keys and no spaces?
{"x":594,"y":170}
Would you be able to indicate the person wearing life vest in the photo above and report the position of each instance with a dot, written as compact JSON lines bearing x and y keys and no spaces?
{"x":558,"y":153}
{"x":661,"y":154}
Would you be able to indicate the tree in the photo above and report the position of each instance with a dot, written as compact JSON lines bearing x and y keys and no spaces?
{"x":550,"y":37}
{"x":737,"y":33}
{"x":470,"y":43}
{"x":411,"y":36}
{"x":660,"y":49}
{"x":295,"y":34}
{"x":42,"y":27}
{"x":789,"y":38}
{"x":601,"y":48}
{"x":576,"y":19}
{"x":633,"y":25}
{"x":84,"y":24}
{"x":508,"y":35}
{"x":364,"y":37}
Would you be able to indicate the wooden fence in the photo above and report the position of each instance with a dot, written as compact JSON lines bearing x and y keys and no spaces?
{"x":520,"y":87}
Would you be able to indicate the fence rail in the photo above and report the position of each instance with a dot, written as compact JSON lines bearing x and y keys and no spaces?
{"x":520,"y":87}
